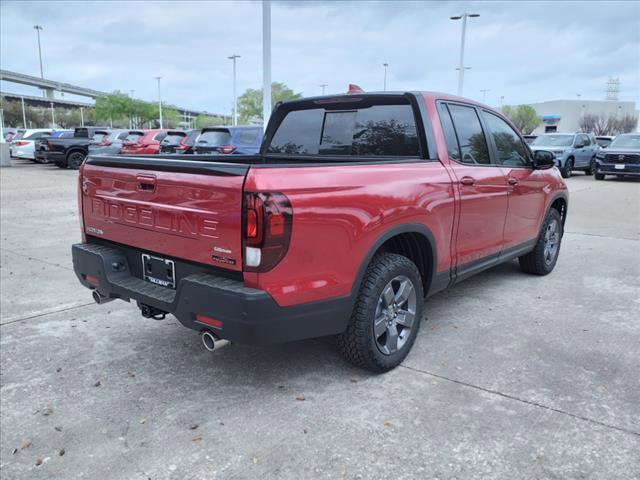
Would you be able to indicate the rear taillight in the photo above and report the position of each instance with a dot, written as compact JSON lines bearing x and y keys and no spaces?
{"x":105,"y":142}
{"x":227,"y":149}
{"x":21,"y":143}
{"x":268,"y":218}
{"x":49,"y":144}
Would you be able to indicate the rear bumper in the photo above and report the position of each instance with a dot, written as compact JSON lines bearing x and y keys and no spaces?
{"x":248,"y":315}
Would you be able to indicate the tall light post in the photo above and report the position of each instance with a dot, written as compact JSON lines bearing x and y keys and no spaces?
{"x":159,"y":100}
{"x":24,"y":113}
{"x":81,"y":117}
{"x":266,"y":64}
{"x":323,"y":86}
{"x":235,"y":98}
{"x":484,"y":94}
{"x":386,"y":66}
{"x":53,"y":116}
{"x":464,"y":30}
{"x":37,"y":29}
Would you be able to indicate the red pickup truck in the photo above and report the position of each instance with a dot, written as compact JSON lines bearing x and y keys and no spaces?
{"x":357,"y":208}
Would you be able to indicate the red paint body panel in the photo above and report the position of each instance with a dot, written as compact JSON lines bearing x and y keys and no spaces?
{"x":146,"y":145}
{"x":185,"y":216}
{"x":339,"y":214}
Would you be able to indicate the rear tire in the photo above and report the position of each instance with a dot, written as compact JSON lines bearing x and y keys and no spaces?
{"x":386,"y":315}
{"x":567,"y":169}
{"x":75,"y":159}
{"x":599,"y":176}
{"x":542,"y":259}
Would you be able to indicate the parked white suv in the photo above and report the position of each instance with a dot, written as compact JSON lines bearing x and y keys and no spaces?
{"x":23,"y":144}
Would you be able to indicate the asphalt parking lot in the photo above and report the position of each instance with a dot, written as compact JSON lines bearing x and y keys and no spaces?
{"x":512,"y":376}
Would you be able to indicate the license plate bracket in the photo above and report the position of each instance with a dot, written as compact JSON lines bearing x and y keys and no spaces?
{"x":158,"y":270}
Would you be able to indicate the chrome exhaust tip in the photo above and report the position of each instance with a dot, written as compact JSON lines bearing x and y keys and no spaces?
{"x":99,"y":298}
{"x":212,"y":343}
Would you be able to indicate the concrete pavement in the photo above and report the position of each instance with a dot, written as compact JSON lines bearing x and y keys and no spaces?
{"x":512,"y":376}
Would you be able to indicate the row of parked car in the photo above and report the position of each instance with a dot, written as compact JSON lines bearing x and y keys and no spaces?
{"x":69,"y":148}
{"x":593,"y":155}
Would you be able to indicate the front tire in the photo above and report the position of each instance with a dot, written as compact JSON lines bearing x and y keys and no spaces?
{"x":599,"y":176}
{"x":386,"y":315}
{"x":567,"y":169}
{"x":592,"y":167}
{"x":75,"y":159}
{"x":542,"y":259}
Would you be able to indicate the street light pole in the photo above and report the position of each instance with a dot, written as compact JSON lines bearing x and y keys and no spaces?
{"x":53,"y":116}
{"x":323,"y":86}
{"x":159,"y":100}
{"x":235,"y":98}
{"x":464,"y":30}
{"x":81,"y":117}
{"x":266,"y":64}
{"x":385,"y":65}
{"x":24,"y":113}
{"x":484,"y":94}
{"x":37,"y":29}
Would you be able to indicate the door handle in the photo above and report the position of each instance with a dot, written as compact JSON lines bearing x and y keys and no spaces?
{"x":146,"y":183}
{"x":467,"y":180}
{"x":512,"y":181}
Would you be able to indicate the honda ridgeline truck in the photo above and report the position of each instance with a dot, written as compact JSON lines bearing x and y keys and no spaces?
{"x":355,"y":210}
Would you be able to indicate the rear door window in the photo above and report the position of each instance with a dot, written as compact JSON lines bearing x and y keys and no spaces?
{"x":376,"y":130}
{"x":214,"y":137}
{"x":473,"y":144}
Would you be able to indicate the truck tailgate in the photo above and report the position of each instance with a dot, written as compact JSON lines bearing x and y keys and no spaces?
{"x":184,"y":209}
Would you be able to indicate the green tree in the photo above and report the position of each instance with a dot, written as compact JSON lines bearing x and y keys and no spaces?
{"x":171,"y":117}
{"x":524,"y":117}
{"x":204,"y":120}
{"x":250,"y":102}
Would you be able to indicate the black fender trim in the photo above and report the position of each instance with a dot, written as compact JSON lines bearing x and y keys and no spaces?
{"x":437,"y":281}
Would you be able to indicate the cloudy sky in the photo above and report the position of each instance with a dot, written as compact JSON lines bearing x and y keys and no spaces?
{"x":524,"y":51}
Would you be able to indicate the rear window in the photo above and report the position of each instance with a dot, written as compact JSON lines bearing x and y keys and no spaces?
{"x":377,"y":130}
{"x":249,"y":136}
{"x":98,"y":136}
{"x":159,"y":136}
{"x":18,"y":135}
{"x":215,"y":137}
{"x":134,"y":136}
{"x":36,"y":135}
{"x":65,"y":135}
{"x":173,"y":138}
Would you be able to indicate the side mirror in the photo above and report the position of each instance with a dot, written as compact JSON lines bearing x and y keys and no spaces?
{"x":543,"y":159}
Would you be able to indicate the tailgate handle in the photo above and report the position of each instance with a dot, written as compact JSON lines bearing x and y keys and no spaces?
{"x":146,"y":183}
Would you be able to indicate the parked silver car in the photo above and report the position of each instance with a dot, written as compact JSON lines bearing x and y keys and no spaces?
{"x":110,"y":144}
{"x":573,"y":151}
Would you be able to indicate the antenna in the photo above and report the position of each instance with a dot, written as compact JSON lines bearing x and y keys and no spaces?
{"x":613,"y":88}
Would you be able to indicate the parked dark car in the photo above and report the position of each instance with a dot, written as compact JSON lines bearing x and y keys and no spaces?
{"x":110,"y":144}
{"x":172,"y":143}
{"x":42,"y":144}
{"x":242,"y":140}
{"x":71,"y":152}
{"x":621,"y":158}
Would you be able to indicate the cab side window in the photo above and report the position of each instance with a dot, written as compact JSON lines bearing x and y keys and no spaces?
{"x":473,"y":144}
{"x":453,"y":149}
{"x":511,"y":151}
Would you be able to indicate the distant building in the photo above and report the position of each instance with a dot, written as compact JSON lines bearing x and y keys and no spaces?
{"x":564,"y":115}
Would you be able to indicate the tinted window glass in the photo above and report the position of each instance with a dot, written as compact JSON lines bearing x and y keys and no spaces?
{"x":191,"y":137}
{"x":511,"y":151}
{"x":98,"y":136}
{"x":133,"y":137}
{"x":551,"y":140}
{"x":36,"y":135}
{"x":453,"y":149}
{"x":626,"y":141}
{"x":18,"y":136}
{"x":173,"y":139}
{"x":214,"y":137}
{"x":122,"y":135}
{"x":159,"y":136}
{"x":379,"y":130}
{"x":473,"y":144}
{"x":249,"y":136}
